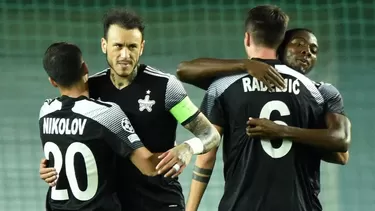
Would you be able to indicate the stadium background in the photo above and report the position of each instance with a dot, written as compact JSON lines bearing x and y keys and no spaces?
{"x":176,"y":31}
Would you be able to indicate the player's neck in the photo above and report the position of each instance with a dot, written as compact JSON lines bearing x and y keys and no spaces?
{"x":263,"y":53}
{"x":75,"y":90}
{"x":121,"y":82}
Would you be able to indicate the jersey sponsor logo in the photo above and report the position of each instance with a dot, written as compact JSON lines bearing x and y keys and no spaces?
{"x":252,"y":84}
{"x":126,"y":125}
{"x":64,"y":126}
{"x":146,"y":103}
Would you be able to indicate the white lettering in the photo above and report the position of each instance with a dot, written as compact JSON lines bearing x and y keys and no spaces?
{"x":250,"y":85}
{"x":246,"y":85}
{"x":63,"y":126}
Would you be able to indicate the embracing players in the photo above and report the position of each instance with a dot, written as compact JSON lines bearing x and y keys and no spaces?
{"x":81,"y":137}
{"x":250,"y":190}
{"x":155,"y":103}
{"x":299,"y":50}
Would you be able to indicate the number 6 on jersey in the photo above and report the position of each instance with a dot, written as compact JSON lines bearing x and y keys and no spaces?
{"x":91,"y":169}
{"x":266,"y":111}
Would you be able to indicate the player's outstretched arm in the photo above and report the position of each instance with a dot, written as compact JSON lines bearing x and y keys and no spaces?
{"x":188,"y":115}
{"x":202,"y":72}
{"x":125,"y":142}
{"x":206,"y":139}
{"x":206,"y":135}
{"x":336,"y":138}
{"x":202,"y":172}
{"x":178,"y":103}
{"x":213,"y":108}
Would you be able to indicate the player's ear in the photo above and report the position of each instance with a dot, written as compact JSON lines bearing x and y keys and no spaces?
{"x":85,"y":78}
{"x":85,"y":72}
{"x":246,"y":40}
{"x":142,"y":47}
{"x":85,"y":68}
{"x":103,"y":42}
{"x":53,"y":83}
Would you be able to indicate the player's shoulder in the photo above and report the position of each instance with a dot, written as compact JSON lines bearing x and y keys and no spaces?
{"x":99,"y":74}
{"x":327,"y":89}
{"x":172,"y":84}
{"x":103,"y":112}
{"x":220,"y":85}
{"x":156,"y":73}
{"x":98,"y":77}
{"x":310,"y":85}
{"x":324,"y":85}
{"x":91,"y":106}
{"x":49,"y":106}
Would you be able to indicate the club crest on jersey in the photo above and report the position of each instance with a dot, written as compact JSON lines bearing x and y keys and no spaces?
{"x":125,"y":123}
{"x":146,"y":103}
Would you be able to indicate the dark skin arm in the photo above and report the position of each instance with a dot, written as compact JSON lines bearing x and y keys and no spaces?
{"x":341,"y":158}
{"x":336,"y":138}
{"x":202,"y":72}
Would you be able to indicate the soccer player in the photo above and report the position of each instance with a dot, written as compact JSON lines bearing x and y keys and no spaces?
{"x":299,"y":50}
{"x":80,"y":137}
{"x":155,"y":103}
{"x":298,"y":44}
{"x":261,"y":174}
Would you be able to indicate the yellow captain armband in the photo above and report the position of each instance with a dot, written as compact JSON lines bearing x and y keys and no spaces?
{"x":183,"y":110}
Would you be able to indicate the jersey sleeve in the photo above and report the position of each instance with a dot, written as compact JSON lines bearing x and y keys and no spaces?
{"x":333,"y":101}
{"x":211,"y":106}
{"x":120,"y":134}
{"x":178,"y":103}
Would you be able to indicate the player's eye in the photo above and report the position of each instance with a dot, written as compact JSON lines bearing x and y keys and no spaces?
{"x":132,"y":47}
{"x":117,"y":45}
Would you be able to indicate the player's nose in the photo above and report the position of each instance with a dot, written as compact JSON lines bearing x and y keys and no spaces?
{"x":125,"y":53}
{"x":306,"y":52}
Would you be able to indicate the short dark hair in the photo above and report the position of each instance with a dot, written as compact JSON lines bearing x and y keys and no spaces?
{"x":287,"y":38}
{"x":63,"y":63}
{"x":124,"y":18}
{"x":267,"y":25}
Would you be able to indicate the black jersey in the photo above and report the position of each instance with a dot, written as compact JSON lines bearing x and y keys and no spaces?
{"x":266,"y":175}
{"x":81,"y":138}
{"x":333,"y":102}
{"x":155,"y":103}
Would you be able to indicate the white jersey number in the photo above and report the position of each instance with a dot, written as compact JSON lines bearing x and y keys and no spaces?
{"x":266,"y":111}
{"x":91,"y":169}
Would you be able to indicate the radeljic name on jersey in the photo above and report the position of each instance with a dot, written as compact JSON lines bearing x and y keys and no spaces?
{"x":64,"y":126}
{"x":252,"y":84}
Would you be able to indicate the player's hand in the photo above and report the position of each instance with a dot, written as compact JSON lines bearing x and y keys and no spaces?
{"x":180,"y":155}
{"x":265,"y":73}
{"x":263,"y":128}
{"x":49,"y":175}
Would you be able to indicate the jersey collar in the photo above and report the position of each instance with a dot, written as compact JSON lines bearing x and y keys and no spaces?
{"x":268,"y":61}
{"x":73,"y":99}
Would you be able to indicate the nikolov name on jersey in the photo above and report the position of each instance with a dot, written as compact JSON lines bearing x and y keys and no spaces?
{"x":63,"y":126}
{"x":252,"y":84}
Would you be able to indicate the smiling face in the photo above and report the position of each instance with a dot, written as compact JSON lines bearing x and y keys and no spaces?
{"x":301,"y":51}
